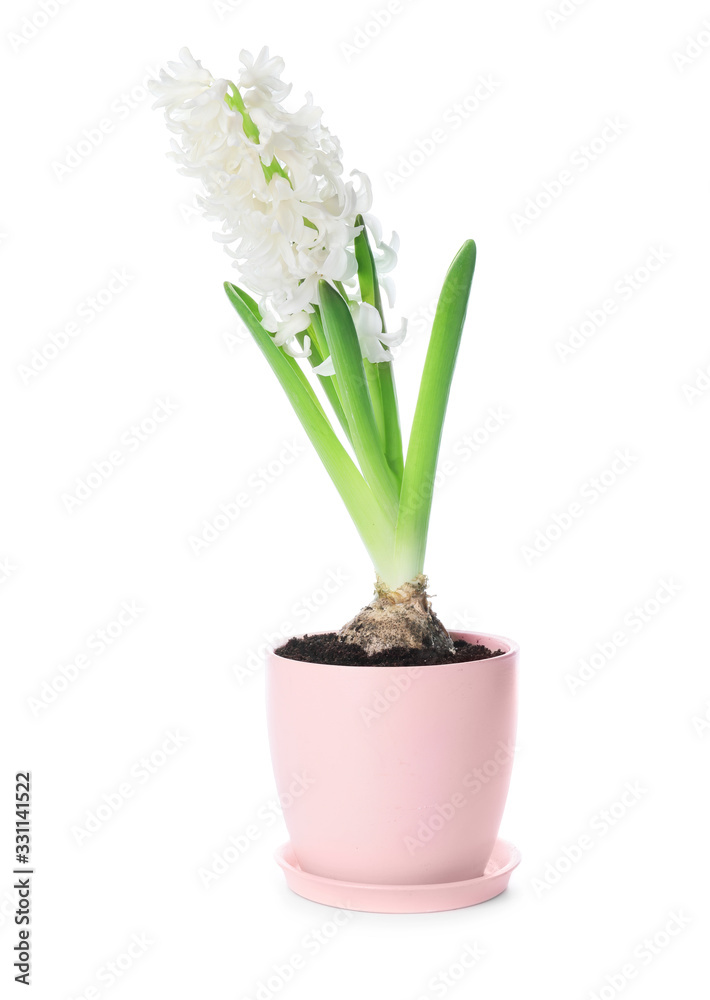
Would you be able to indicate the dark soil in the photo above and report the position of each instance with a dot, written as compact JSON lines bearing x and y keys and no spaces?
{"x":328,"y":648}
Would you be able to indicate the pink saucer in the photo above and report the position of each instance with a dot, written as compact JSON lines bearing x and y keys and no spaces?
{"x":402,"y":898}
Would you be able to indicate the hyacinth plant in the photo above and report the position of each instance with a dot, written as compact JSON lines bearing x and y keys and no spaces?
{"x":314,"y":266}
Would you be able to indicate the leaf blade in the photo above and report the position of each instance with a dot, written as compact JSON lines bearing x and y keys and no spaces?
{"x":428,"y":422}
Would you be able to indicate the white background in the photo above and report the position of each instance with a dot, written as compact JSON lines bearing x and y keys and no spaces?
{"x":189,"y":660}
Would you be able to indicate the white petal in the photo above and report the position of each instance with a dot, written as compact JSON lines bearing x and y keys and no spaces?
{"x":351,"y":266}
{"x":325,"y":367}
{"x":396,"y":338}
{"x":294,"y":324}
{"x":385,"y":259}
{"x":368,"y":321}
{"x":293,"y":348}
{"x":336,"y":264}
{"x":363,"y":199}
{"x":375,"y":227}
{"x":388,"y":286}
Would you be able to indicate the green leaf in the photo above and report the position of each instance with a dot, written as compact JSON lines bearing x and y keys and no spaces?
{"x":252,"y":303}
{"x":390,"y":411}
{"x":428,"y":423}
{"x":373,"y":524}
{"x":366,"y":269}
{"x":344,"y":346}
{"x":375,"y":390}
{"x":385,"y":396}
{"x":329,"y":384}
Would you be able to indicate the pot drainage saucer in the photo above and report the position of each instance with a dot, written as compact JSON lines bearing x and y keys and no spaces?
{"x":402,"y":898}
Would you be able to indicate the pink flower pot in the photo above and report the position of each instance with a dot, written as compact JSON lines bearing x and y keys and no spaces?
{"x":394,"y":776}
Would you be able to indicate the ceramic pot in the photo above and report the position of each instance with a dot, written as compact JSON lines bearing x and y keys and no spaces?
{"x":394,"y":775}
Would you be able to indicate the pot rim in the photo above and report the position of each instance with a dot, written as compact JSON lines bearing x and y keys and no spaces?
{"x":511,"y":650}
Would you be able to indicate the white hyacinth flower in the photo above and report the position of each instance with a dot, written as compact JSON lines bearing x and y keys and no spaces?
{"x":315,"y":266}
{"x":274,"y":181}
